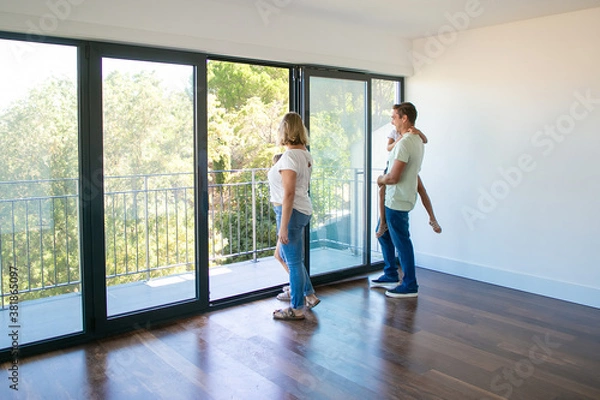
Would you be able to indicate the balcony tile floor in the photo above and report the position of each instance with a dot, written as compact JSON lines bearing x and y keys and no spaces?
{"x":61,"y":315}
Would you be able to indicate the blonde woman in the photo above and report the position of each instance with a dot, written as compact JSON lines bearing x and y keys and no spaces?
{"x":289,"y":180}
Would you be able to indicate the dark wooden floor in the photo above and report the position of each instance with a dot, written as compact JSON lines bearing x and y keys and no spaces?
{"x":459,"y":340}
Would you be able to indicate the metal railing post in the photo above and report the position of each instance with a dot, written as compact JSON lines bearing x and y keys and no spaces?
{"x":254,"y":252}
{"x":147,"y":227}
{"x":2,"y":274}
{"x":121,"y":244}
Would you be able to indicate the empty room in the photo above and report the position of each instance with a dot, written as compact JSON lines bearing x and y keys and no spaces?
{"x":160,"y":239}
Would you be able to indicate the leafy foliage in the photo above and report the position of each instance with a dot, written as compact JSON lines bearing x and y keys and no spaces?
{"x":38,"y":135}
{"x":246,"y":103}
{"x":148,"y":171}
{"x":39,"y":232}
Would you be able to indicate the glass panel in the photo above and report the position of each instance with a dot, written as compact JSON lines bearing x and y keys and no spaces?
{"x":148,"y":119}
{"x":384,"y":94}
{"x":337,"y":143}
{"x":245,"y":105}
{"x":40,"y":273}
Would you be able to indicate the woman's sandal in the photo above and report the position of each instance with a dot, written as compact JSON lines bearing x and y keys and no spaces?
{"x":311,"y":305}
{"x":287,"y":314}
{"x":436,"y":227}
{"x":284,"y":296}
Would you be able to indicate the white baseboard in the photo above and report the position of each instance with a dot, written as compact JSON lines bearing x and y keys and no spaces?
{"x":579,"y":294}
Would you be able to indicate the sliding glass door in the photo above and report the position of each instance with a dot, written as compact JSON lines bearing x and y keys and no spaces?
{"x":133,"y":182}
{"x":149,"y":202}
{"x":336,"y":116}
{"x":384,"y":94}
{"x":245,"y":105}
{"x":40,"y":266}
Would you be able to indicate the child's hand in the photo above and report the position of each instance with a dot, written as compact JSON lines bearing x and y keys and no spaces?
{"x":414,"y":130}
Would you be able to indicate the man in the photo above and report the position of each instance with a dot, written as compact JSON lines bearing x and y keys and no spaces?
{"x":400,"y":196}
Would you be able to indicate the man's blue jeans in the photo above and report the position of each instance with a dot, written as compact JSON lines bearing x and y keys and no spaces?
{"x":397,"y":237}
{"x":291,"y":253}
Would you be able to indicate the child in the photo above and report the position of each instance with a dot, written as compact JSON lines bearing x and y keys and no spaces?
{"x":393,"y":138}
{"x":286,"y":289}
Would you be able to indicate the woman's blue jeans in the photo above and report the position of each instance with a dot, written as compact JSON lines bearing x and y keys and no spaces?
{"x":397,"y":238}
{"x":291,"y":253}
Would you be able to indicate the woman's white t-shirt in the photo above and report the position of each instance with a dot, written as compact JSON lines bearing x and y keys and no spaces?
{"x":300,"y":161}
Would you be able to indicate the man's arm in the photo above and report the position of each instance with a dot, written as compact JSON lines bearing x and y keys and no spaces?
{"x":394,"y":174}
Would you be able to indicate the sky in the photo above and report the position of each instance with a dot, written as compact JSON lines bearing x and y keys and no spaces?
{"x":24,"y":65}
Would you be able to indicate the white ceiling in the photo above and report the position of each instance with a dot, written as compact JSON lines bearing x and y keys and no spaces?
{"x":370,"y":35}
{"x":418,"y":18}
{"x":404,"y":19}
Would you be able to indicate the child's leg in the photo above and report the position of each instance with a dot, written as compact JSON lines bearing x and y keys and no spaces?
{"x":285,"y":296}
{"x":277,"y":256}
{"x":312,"y":299}
{"x":427,"y":204}
{"x":382,"y":222}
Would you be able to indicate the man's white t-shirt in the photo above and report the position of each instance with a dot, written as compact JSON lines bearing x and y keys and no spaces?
{"x":403,"y":195}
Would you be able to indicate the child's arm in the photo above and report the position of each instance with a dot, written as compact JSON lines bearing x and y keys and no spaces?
{"x":418,"y":132}
{"x":390,"y":144}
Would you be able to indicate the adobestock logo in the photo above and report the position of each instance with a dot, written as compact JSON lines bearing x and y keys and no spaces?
{"x":507,"y":379}
{"x":59,"y":10}
{"x":545,"y":139}
{"x":266,"y":8}
{"x":435,"y":46}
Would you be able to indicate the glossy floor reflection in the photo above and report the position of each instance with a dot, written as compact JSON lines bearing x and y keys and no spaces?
{"x":459,"y":339}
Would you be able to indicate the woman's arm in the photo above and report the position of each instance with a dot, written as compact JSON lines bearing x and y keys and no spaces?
{"x":288,"y":178}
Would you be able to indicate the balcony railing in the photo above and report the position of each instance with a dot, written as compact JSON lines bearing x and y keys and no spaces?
{"x":149,"y":225}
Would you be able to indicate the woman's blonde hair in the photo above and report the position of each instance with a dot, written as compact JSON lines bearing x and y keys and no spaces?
{"x":292,"y":130}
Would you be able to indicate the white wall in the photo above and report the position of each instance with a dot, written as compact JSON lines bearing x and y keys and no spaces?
{"x":237,"y":28}
{"x":518,"y":207}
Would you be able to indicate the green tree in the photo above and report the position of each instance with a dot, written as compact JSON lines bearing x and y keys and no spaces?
{"x":148,"y":137}
{"x":38,"y":136}
{"x":221,"y":135}
{"x":234,"y":83}
{"x":246,"y":104}
{"x":383,"y":98}
{"x":147,"y":128}
{"x":249,"y":101}
{"x":336,"y":126}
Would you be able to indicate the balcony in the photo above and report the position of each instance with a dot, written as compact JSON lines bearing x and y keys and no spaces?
{"x":149,"y":244}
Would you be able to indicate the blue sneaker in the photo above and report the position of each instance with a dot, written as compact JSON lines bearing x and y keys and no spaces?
{"x":385,"y":281}
{"x":401,"y":292}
